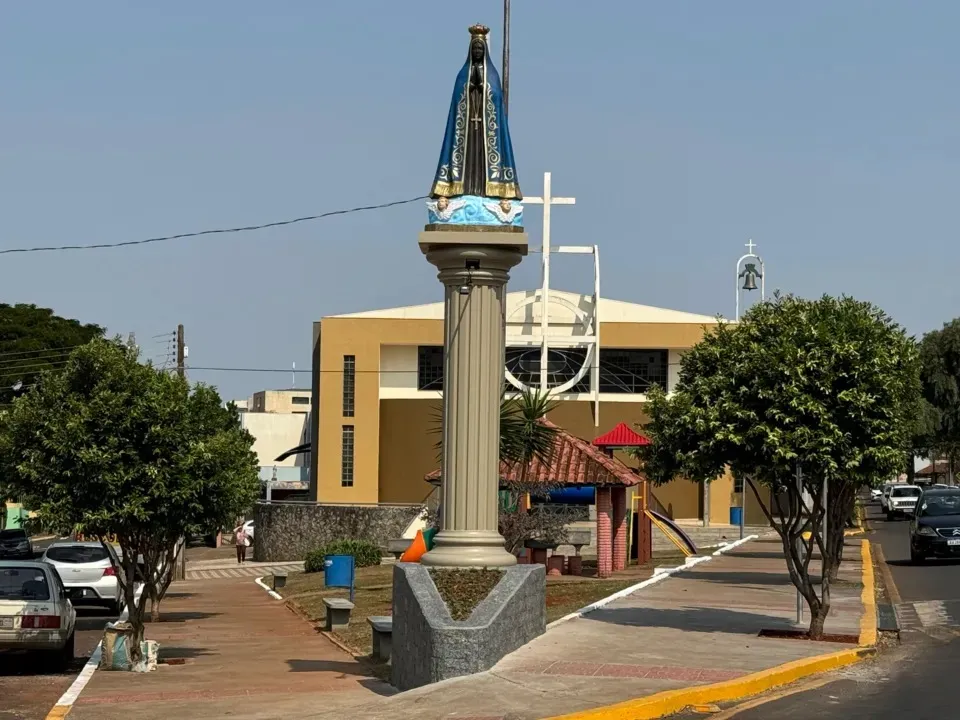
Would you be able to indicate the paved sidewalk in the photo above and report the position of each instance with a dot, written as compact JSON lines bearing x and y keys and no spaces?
{"x":246,"y":656}
{"x":217,"y":570}
{"x":696,"y":627}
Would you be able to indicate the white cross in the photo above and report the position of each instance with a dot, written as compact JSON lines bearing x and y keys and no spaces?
{"x":547,"y":200}
{"x":750,"y":246}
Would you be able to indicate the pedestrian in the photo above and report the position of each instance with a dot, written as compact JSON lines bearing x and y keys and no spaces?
{"x":242,"y":540}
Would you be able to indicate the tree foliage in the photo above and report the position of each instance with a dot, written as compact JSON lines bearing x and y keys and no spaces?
{"x":109,"y":446}
{"x":829,"y":386}
{"x":33,"y":340}
{"x":938,"y":433}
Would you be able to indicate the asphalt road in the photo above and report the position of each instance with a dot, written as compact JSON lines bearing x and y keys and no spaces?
{"x":916,"y":679}
{"x":27,"y":689}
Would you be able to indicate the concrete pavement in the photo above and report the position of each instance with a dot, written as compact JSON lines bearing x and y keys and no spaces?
{"x":247,"y":656}
{"x":914,"y":680}
{"x":695,"y":628}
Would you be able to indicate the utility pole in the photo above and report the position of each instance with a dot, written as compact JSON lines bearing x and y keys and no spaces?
{"x":181,"y":352}
{"x":506,"y":57}
{"x":180,"y":561}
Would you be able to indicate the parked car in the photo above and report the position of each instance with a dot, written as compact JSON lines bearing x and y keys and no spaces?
{"x":88,"y":571}
{"x":935,"y":530}
{"x":248,"y":529}
{"x":885,"y":495}
{"x":876,"y":493}
{"x":35,"y":613}
{"x":902,"y":500}
{"x":15,"y":545}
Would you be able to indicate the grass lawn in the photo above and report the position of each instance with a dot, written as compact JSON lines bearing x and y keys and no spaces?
{"x":374,"y":596}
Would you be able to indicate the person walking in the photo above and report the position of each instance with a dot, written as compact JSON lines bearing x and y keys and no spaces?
{"x":243,"y":541}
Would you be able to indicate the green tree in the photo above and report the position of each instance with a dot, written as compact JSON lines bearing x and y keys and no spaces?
{"x":939,"y":434}
{"x":109,"y":446}
{"x":827,"y":386}
{"x":33,"y":340}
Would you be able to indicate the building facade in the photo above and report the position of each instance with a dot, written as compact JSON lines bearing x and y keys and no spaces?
{"x":378,"y":379}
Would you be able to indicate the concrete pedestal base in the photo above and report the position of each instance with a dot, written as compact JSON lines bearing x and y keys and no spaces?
{"x":429,"y":646}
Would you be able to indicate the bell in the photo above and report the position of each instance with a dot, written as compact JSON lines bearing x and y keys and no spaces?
{"x":750,"y":281}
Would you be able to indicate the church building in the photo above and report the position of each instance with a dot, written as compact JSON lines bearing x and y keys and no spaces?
{"x":378,"y":379}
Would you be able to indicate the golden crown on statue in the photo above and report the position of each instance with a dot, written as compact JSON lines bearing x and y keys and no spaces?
{"x":479,"y":30}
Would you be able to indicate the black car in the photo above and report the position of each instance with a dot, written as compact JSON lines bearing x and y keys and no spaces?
{"x":935,"y":531}
{"x":15,"y":545}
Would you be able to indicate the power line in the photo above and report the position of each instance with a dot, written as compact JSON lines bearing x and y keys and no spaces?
{"x":220,"y":231}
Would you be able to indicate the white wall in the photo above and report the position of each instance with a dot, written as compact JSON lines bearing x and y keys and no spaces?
{"x":275,"y":433}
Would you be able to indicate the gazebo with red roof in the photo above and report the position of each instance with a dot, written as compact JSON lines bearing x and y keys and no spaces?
{"x":574,"y":461}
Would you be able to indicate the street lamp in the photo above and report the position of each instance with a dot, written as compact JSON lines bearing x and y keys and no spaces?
{"x":749,"y":275}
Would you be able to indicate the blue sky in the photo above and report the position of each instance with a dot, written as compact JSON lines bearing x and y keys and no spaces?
{"x":829,"y":132}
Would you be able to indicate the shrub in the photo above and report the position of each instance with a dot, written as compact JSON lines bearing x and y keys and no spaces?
{"x":365,"y":553}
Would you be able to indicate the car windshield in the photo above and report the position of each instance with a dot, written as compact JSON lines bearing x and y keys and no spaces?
{"x":23,"y":583}
{"x":905,"y":492}
{"x":13,"y":535}
{"x":941,"y":504}
{"x":77,"y":554}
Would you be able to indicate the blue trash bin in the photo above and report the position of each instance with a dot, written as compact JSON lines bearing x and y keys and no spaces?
{"x":338,"y":571}
{"x":736,"y":515}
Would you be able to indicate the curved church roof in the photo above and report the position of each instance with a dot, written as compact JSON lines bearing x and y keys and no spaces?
{"x":610,"y":311}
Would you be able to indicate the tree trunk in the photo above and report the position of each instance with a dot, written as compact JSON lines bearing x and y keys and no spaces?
{"x":816,"y":625}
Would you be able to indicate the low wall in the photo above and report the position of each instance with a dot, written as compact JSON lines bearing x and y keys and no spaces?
{"x":288,"y":531}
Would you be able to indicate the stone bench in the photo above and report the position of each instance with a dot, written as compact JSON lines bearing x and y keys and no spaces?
{"x":398,"y":547}
{"x":338,"y":613}
{"x":382,"y":626}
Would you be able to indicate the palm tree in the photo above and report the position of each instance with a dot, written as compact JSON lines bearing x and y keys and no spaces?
{"x":523,"y":434}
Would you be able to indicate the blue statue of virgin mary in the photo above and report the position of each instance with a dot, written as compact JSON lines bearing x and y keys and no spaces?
{"x":476,"y":160}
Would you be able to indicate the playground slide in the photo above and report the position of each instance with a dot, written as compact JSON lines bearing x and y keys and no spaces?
{"x":673,"y":531}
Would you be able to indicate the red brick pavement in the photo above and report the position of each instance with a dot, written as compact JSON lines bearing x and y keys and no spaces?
{"x":237,"y":645}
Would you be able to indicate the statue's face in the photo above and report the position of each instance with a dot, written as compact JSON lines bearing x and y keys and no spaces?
{"x":505,"y":205}
{"x":476,"y":50}
{"x":442,"y":203}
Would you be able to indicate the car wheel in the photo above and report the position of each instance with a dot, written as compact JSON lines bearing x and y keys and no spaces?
{"x":916,"y":558}
{"x":62,"y":658}
{"x":115,"y":607}
{"x":889,"y":516}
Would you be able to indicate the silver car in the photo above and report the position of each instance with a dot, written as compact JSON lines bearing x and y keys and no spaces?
{"x":35,"y":613}
{"x":89,"y":573}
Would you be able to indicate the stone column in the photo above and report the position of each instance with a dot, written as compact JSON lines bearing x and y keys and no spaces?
{"x":618,"y":496}
{"x":474,"y":277}
{"x":604,"y":532}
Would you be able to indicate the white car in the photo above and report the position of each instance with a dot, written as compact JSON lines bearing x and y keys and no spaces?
{"x":885,"y":495}
{"x":248,"y":529}
{"x":88,"y":571}
{"x":902,"y":500}
{"x":35,"y":613}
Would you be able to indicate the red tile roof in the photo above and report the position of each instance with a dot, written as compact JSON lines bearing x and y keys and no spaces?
{"x":621,"y":436}
{"x":573,"y":461}
{"x":941,"y":467}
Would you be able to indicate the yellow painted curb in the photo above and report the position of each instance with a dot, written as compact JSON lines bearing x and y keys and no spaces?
{"x":868,"y":621}
{"x":58,"y":712}
{"x":672,"y":701}
{"x":849,"y":532}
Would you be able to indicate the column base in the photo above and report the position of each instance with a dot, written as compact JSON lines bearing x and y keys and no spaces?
{"x":468,"y":549}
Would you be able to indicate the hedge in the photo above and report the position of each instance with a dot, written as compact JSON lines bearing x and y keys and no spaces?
{"x":365,"y":553}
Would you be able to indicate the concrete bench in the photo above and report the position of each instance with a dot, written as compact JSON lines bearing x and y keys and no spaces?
{"x":398,"y":547}
{"x":382,"y":626}
{"x":338,"y":613}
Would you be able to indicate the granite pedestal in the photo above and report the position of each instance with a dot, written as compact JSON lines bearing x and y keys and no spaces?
{"x":429,"y":645}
